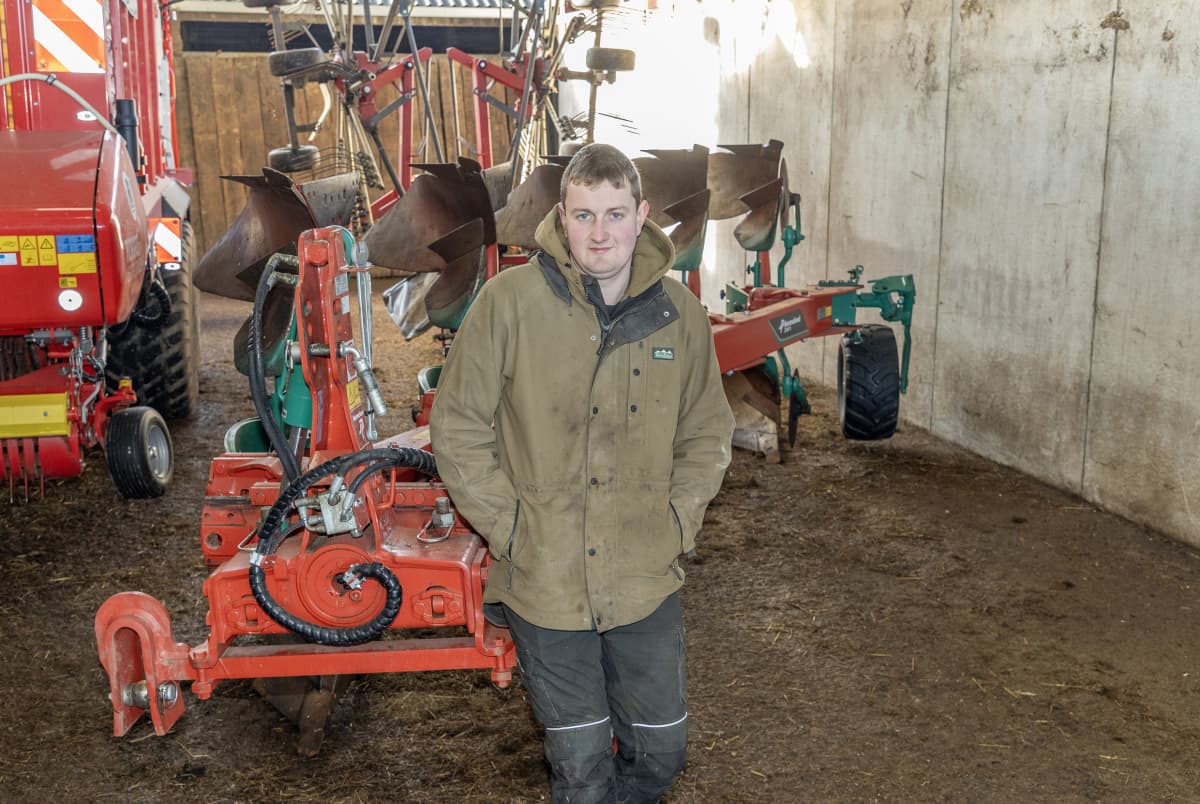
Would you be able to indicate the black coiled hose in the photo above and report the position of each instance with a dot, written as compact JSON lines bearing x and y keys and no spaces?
{"x":269,"y":539}
{"x":324,"y":635}
{"x":153,"y":316}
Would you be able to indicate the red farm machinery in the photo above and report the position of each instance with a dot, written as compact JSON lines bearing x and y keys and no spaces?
{"x":98,"y":339}
{"x":336,"y":552}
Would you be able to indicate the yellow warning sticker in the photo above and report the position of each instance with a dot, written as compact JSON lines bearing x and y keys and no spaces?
{"x":77,"y":264}
{"x":47,"y":250}
{"x":68,"y":282}
{"x":10,"y":243}
{"x":29,"y":250}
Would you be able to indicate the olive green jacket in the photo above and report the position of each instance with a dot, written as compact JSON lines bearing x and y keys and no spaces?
{"x":584,"y":453}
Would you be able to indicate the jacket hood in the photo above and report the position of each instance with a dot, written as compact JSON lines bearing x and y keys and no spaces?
{"x":652,"y":257}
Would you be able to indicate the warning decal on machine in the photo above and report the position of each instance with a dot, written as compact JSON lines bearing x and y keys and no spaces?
{"x":71,"y":254}
{"x":10,"y":250}
{"x":29,"y":250}
{"x":68,"y":36}
{"x":76,"y":254}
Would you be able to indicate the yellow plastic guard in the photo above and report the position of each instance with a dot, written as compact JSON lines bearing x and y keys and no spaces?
{"x":31,"y":415}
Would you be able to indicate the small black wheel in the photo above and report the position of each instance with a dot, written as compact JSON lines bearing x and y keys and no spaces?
{"x":140,"y":457}
{"x":286,"y":62}
{"x":294,"y":160}
{"x":868,"y":384}
{"x":610,"y":58}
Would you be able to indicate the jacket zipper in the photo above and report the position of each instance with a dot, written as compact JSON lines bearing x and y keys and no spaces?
{"x":512,"y":537}
{"x":678,"y":526}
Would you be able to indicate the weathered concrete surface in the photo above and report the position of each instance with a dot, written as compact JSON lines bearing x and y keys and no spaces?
{"x":1143,"y":424}
{"x":1027,"y":122}
{"x":890,"y":90}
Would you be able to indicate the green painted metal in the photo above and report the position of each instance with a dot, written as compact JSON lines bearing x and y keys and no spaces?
{"x":791,"y":236}
{"x":427,"y":379}
{"x":736,"y":299}
{"x":291,"y":400}
{"x":894,"y":296}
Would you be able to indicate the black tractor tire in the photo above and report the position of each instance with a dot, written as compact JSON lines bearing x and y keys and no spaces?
{"x":610,"y":58}
{"x":140,"y":456}
{"x":868,"y":389}
{"x":163,"y":359}
{"x":285,"y":62}
{"x":289,"y":160}
{"x":18,"y":358}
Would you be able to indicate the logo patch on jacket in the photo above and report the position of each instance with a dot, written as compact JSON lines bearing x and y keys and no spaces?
{"x":663,"y":353}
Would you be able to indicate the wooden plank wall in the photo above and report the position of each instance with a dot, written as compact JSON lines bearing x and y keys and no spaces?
{"x":230,"y":114}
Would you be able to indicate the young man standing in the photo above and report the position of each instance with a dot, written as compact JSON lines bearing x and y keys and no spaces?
{"x":581,"y":427}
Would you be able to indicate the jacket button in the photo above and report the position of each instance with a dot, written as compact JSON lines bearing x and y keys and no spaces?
{"x":637,"y":372}
{"x":591,"y":551}
{"x":593,"y":337}
{"x":633,"y":408}
{"x":595,"y":411}
{"x":595,"y":482}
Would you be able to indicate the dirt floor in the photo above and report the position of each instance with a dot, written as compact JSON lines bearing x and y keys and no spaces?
{"x":897,"y":621}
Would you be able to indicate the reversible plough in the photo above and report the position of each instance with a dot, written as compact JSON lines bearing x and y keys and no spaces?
{"x":336,"y":552}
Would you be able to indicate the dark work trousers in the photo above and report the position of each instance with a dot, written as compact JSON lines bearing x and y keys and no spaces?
{"x":587,"y":687}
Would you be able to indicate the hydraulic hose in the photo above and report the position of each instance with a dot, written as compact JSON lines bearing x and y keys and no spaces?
{"x":154,"y":318}
{"x":324,"y":635}
{"x":269,"y":539}
{"x":258,"y":380}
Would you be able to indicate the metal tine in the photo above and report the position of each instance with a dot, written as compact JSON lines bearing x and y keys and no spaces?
{"x":388,"y":22}
{"x":332,"y":21}
{"x":406,"y":12}
{"x":368,"y":28}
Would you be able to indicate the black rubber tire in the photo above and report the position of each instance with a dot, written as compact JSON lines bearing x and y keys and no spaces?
{"x":140,"y":455}
{"x":868,"y":389}
{"x":18,"y":358}
{"x":610,"y":58}
{"x":286,"y":62}
{"x":286,"y":160}
{"x":163,"y":359}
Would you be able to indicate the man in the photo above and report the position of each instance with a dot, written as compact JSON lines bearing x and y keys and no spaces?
{"x":581,"y":427}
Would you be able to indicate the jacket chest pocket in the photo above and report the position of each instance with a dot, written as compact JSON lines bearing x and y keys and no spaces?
{"x":653,"y":412}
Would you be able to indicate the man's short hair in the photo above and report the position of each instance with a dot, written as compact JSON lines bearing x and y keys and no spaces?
{"x":598,"y":162}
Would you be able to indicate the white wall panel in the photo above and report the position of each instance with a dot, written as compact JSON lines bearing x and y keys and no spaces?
{"x":885,"y":200}
{"x":1143,"y":438}
{"x":1027,"y":122}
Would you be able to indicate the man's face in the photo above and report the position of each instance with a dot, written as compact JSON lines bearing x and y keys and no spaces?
{"x":602,"y":223}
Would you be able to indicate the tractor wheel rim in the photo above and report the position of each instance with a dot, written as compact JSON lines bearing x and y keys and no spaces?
{"x":158,"y":452}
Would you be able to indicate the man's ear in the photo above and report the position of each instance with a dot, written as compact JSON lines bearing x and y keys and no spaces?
{"x":562,"y":214}
{"x":642,"y":212}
